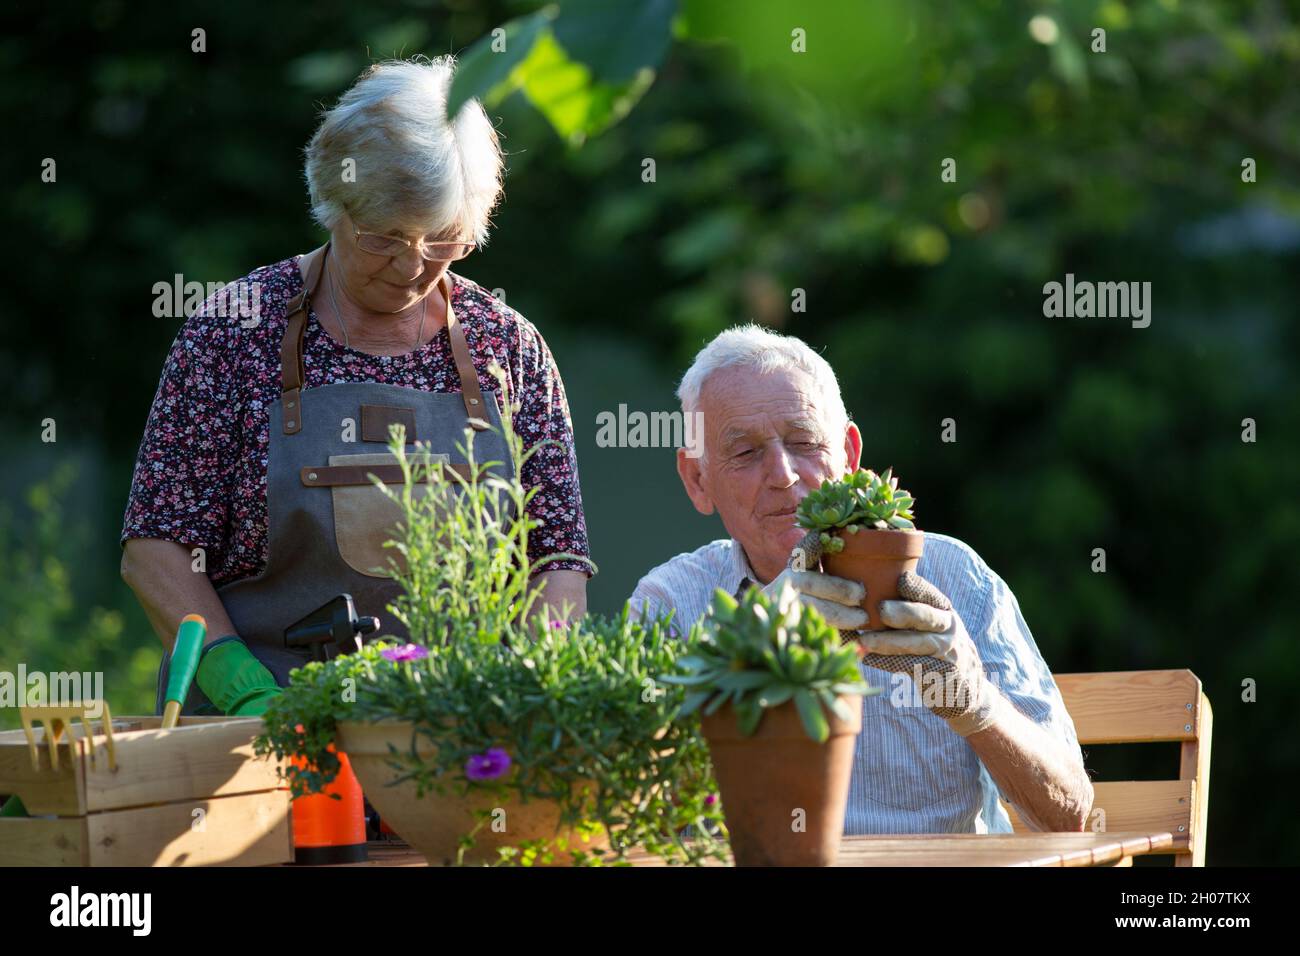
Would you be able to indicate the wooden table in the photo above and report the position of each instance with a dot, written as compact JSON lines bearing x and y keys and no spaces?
{"x":933,"y":849}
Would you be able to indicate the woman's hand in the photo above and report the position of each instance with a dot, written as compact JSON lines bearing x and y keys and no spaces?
{"x":558,"y":589}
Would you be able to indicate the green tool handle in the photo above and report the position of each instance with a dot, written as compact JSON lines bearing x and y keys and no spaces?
{"x":186,"y":651}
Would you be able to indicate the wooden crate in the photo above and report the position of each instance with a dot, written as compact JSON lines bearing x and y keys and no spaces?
{"x":194,"y":795}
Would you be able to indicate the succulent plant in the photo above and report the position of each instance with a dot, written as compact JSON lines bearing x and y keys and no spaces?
{"x":758,"y":653}
{"x":862,"y":499}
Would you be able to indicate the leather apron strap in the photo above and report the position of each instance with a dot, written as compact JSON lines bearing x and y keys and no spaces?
{"x":293,"y":376}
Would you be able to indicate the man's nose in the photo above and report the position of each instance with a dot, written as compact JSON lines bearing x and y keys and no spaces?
{"x":780,"y":467}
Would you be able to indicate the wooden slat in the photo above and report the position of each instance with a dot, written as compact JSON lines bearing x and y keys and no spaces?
{"x":1132,"y":706}
{"x":1146,"y":805}
{"x":969,"y":849}
{"x":931,"y":849}
{"x":1195,"y":764}
{"x":249,"y":829}
{"x":64,"y":793}
{"x":43,"y":842}
{"x":43,"y":789}
{"x":196,"y":761}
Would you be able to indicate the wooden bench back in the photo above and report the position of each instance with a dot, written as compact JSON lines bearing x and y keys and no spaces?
{"x":1124,"y":707}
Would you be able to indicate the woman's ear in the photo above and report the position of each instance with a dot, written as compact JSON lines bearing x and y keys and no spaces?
{"x":691,"y":473}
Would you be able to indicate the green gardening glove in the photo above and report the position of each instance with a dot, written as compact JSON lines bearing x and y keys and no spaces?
{"x":234,"y":680}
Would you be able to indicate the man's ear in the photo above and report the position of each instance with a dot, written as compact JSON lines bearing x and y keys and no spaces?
{"x":688,"y":469}
{"x":852,"y":448}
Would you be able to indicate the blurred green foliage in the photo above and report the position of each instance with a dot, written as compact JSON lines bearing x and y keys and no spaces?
{"x":774,"y":171}
{"x":47,"y":625}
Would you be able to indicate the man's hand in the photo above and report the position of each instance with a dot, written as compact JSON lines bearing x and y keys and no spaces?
{"x":838,"y":600}
{"x":926,"y":633}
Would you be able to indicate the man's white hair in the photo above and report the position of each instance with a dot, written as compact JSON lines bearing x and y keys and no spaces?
{"x":413,"y":172}
{"x":753,"y":347}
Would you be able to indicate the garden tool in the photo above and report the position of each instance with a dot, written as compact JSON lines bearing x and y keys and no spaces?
{"x":56,"y":721}
{"x":186,"y":651}
{"x":326,"y":829}
{"x":330,"y":827}
{"x":334,"y":622}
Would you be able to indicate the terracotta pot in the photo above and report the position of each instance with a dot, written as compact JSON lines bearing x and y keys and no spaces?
{"x":766,"y":777}
{"x":876,"y":558}
{"x":434,"y":823}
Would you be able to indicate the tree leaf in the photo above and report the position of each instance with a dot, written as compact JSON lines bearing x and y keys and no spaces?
{"x":565,"y":92}
{"x":483,"y":73}
{"x":616,"y":40}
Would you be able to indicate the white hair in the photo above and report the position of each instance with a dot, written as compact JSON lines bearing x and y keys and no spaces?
{"x":761,"y":350}
{"x":413,"y":170}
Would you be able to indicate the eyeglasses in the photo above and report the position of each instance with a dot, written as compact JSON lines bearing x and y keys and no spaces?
{"x":378,"y":245}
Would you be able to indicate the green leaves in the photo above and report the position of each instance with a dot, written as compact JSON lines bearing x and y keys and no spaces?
{"x":810,"y":713}
{"x":484,"y":70}
{"x":582,"y":703}
{"x":582,"y":64}
{"x":756,"y":654}
{"x":862,"y":499}
{"x":616,"y":41}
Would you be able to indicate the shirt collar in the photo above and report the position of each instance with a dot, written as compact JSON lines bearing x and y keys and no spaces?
{"x":738,"y":570}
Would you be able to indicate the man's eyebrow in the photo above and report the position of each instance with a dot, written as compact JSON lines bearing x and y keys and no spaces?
{"x":812,"y":426}
{"x":733,"y":435}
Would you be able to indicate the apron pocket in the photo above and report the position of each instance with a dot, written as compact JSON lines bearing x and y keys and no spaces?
{"x":364,"y":518}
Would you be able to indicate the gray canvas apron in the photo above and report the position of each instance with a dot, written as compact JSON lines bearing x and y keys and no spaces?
{"x":327,"y":519}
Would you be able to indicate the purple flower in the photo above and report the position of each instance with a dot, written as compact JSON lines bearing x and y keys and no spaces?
{"x":710,"y":800}
{"x":408,"y":652}
{"x":558,"y":625}
{"x":487,"y":766}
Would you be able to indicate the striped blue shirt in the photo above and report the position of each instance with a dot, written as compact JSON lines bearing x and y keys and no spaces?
{"x":911,"y":772}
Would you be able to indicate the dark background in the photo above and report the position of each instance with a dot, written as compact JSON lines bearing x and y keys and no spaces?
{"x":774,"y":172}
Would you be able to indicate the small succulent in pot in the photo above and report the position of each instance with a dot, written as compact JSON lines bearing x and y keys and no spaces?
{"x":758,"y":653}
{"x":781,"y":713}
{"x":862,"y":499}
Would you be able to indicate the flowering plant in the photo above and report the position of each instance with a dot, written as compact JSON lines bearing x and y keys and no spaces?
{"x":514,"y":704}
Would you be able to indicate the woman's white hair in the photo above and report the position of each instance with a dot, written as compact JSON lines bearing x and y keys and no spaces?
{"x":760,"y":350}
{"x":412,"y":171}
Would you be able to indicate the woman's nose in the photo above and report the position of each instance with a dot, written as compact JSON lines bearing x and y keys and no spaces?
{"x":409,"y":264}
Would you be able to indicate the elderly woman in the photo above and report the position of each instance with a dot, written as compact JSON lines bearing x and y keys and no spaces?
{"x":775,"y":427}
{"x":251,"y":503}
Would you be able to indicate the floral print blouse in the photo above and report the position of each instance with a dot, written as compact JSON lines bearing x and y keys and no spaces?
{"x":201,"y":474}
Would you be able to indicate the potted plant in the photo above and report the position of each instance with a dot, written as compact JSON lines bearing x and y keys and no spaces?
{"x":779,"y":696}
{"x":866,"y":533}
{"x":492,"y":735}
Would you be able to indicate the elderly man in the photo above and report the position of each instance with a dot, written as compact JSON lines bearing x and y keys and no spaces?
{"x":775,"y":427}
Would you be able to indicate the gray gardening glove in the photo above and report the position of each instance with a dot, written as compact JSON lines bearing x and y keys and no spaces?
{"x":925,"y":632}
{"x":838,"y":600}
